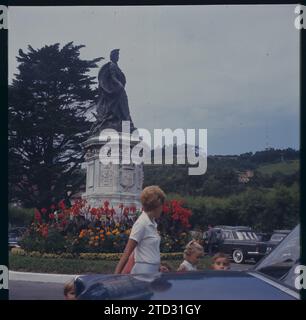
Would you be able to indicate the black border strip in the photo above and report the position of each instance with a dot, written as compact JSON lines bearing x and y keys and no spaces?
{"x":303,"y":148}
{"x":4,"y":148}
{"x":142,"y":2}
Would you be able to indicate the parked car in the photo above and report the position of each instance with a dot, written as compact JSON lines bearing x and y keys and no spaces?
{"x":276,"y":238}
{"x":280,"y":263}
{"x":14,"y":236}
{"x":240,"y":243}
{"x":271,"y":279}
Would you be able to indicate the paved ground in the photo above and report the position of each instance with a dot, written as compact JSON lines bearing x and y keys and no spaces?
{"x":36,"y":290}
{"x":29,"y":290}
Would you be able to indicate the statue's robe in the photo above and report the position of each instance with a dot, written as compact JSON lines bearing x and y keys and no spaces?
{"x":113,"y":101}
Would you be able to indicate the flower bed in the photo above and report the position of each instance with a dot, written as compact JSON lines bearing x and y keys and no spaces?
{"x":79,"y":229}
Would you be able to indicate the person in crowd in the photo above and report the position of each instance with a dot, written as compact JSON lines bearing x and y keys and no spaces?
{"x":144,"y":238}
{"x":220,"y":262}
{"x":192,"y":254}
{"x":211,"y":238}
{"x":69,"y":290}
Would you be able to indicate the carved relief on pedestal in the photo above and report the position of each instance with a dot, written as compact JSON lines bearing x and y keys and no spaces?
{"x":106,"y":175}
{"x":127,"y":177}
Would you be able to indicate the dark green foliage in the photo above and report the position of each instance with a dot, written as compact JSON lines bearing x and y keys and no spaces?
{"x":20,"y":217}
{"x":269,"y":200}
{"x":48,"y":101}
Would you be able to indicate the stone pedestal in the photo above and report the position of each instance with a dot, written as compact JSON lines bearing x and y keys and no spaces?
{"x":117,"y":183}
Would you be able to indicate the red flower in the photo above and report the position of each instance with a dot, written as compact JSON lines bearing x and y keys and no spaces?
{"x":93,"y":211}
{"x":107,"y":211}
{"x":52,"y":207}
{"x":133,"y":209}
{"x":51,"y":216}
{"x":166,"y":209}
{"x":106,"y":204}
{"x":44,"y":231}
{"x":61,"y":216}
{"x":126,"y":211}
{"x":43,"y":210}
{"x":62,"y":204}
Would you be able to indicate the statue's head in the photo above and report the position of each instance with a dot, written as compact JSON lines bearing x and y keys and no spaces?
{"x":114,"y":55}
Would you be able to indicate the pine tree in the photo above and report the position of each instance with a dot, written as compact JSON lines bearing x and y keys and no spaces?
{"x":48,"y":104}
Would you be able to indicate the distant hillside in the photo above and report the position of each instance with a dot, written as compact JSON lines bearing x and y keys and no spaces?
{"x":227,"y":175}
{"x":286,"y":167}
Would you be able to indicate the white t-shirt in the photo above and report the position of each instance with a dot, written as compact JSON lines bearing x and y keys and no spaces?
{"x":188,"y":266}
{"x":144,"y":231}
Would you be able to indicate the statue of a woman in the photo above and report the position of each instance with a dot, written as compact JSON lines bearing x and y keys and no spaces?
{"x":112,"y":107}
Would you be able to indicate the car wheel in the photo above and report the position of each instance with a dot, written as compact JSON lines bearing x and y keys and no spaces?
{"x":238,"y":256}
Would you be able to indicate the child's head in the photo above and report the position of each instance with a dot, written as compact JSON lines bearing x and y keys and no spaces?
{"x":69,"y":290}
{"x":220,"y":262}
{"x":193,"y":252}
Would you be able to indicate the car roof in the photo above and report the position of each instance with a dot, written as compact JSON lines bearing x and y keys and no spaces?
{"x":204,"y":285}
{"x":282,"y":231}
{"x":233,"y":227}
{"x":242,"y":229}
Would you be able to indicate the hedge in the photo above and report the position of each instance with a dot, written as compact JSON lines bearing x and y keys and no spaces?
{"x":87,"y":256}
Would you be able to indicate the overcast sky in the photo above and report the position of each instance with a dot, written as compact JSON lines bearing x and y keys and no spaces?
{"x":231,"y":69}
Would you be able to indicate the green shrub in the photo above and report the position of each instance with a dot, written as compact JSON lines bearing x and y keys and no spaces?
{"x":88,"y":256}
{"x":18,"y":252}
{"x":20,"y":216}
{"x":35,"y":254}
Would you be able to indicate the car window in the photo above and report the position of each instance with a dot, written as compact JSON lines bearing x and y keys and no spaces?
{"x":254,"y":235}
{"x":227,"y":235}
{"x":251,"y":235}
{"x":246,"y":236}
{"x":235,"y":235}
{"x":239,"y":235}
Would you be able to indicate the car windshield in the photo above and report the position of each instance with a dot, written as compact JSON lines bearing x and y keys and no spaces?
{"x":279,"y":263}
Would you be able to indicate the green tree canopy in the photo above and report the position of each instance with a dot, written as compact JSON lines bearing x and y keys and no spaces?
{"x":48,"y":103}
